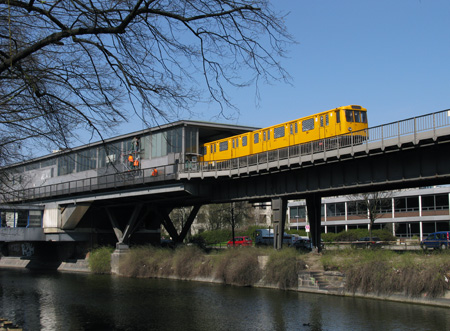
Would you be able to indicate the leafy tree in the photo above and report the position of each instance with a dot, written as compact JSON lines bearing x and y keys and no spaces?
{"x":74,"y":65}
{"x":372,"y":205}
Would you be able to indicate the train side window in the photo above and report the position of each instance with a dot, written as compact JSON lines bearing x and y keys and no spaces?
{"x":256,"y":138}
{"x":268,"y":134}
{"x":327,"y":121}
{"x":237,"y":142}
{"x":296,"y":127}
{"x":215,"y":148}
{"x":264,"y":135}
{"x":244,"y":141}
{"x":308,"y":124}
{"x":363,"y":117}
{"x":223,"y":146}
{"x":321,"y":121}
{"x":338,"y":117}
{"x":211,"y":149}
{"x":233,"y":143}
{"x":278,"y":132}
{"x":349,"y":115}
{"x":291,"y":129}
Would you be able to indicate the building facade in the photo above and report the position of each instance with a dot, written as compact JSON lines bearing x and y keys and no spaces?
{"x":408,"y":213}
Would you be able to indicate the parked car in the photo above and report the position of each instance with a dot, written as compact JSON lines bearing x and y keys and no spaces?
{"x":366,"y":242}
{"x":302,"y":244}
{"x":436,"y":240}
{"x":240,"y":241}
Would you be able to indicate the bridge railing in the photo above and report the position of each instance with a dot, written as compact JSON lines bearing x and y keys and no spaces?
{"x":130,"y":178}
{"x":411,"y":126}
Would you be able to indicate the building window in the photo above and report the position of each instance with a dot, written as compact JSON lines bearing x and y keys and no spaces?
{"x":66,"y":165}
{"x":87,"y":160}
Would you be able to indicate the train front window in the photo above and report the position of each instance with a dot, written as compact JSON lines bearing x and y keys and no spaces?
{"x":349,"y":115}
{"x":357,"y":117}
{"x":363,"y":117}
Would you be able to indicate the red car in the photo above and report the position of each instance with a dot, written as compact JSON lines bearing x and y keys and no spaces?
{"x":240,"y":241}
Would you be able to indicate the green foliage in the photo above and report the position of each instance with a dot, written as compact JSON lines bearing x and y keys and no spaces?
{"x":355,"y":234}
{"x":100,"y":260}
{"x":301,"y":233}
{"x":216,"y":236}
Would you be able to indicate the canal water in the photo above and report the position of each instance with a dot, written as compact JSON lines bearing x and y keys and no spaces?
{"x":63,"y":301}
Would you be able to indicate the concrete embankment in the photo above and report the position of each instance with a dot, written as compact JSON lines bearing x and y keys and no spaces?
{"x":312,"y":280}
{"x":79,"y":265}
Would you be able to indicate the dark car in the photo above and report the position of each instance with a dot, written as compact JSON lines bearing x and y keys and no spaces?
{"x":302,"y":244}
{"x":366,"y":242}
{"x":436,"y":240}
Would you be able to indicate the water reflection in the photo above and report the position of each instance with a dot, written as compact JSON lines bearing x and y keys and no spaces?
{"x":56,"y":301}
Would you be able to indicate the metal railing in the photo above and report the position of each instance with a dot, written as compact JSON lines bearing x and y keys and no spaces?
{"x":131,"y":178}
{"x":395,"y":130}
{"x":411,"y":126}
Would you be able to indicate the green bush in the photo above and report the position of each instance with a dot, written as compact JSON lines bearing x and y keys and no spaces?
{"x":216,"y":236}
{"x":100,"y":260}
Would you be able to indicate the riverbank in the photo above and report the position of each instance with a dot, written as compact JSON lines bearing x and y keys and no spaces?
{"x":374,"y":275}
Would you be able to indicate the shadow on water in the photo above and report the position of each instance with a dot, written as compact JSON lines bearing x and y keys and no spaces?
{"x":62,"y":301}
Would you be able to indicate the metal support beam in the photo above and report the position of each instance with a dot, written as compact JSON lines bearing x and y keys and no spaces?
{"x":189,"y":222}
{"x":313,"y":206}
{"x":118,"y":232}
{"x":279,"y":208}
{"x":167,"y":223}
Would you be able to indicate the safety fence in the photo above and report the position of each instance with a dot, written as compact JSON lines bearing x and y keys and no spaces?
{"x":410,"y":128}
{"x":133,"y":178}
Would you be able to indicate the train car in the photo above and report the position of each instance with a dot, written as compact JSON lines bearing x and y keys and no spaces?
{"x":334,"y":122}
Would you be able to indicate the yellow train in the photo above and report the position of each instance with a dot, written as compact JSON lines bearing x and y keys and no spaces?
{"x":338,"y":121}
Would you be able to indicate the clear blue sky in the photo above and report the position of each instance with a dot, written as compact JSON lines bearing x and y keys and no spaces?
{"x":389,"y":56}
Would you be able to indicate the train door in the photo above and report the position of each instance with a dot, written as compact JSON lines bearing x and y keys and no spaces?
{"x":337,"y":129}
{"x":321,"y":126}
{"x":293,"y":130}
{"x":266,"y":135}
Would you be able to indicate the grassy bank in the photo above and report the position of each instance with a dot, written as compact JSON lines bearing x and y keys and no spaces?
{"x":415,"y":274}
{"x":386,"y":272}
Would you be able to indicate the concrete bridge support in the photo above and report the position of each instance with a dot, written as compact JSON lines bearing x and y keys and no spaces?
{"x":313,"y":206}
{"x":279,"y":209}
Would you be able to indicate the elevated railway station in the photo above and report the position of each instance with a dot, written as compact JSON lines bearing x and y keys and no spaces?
{"x":122,"y":190}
